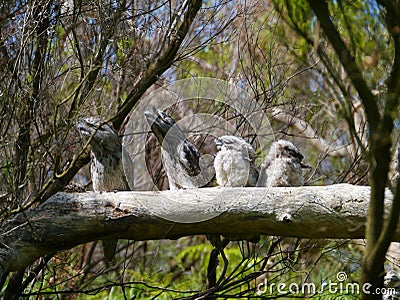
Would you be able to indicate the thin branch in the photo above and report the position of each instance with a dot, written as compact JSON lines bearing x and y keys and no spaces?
{"x":321,"y":10}
{"x":159,"y":67}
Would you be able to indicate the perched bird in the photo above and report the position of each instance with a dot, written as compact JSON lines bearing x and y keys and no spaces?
{"x":234,"y":167}
{"x":391,"y":281}
{"x":282,"y":166}
{"x":182,"y":161}
{"x":106,"y":167}
{"x":234,"y":162}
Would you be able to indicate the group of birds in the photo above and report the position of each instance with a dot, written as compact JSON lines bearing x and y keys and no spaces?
{"x":234,"y":162}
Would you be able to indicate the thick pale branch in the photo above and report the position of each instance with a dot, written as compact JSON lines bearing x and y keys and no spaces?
{"x":67,"y":220}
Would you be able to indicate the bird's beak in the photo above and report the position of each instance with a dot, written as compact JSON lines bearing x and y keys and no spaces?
{"x":304,"y":166}
{"x":151,"y":114}
{"x":158,"y":125}
{"x":218,"y":142}
{"x":150,"y":117}
{"x":85,"y":127}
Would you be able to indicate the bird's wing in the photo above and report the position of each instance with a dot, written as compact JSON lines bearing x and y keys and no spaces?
{"x":189,"y":157}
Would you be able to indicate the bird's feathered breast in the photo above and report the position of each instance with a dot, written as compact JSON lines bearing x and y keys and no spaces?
{"x":282,"y":166}
{"x":234,"y":165}
{"x":107,"y":171}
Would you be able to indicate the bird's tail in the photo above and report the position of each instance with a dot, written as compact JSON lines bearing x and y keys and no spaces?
{"x":109,"y":249}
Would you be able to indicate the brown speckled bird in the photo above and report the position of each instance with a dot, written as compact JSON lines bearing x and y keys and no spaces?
{"x":106,"y":167}
{"x":282,"y":166}
{"x":181,"y":159}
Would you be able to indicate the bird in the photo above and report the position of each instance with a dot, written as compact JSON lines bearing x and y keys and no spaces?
{"x":106,"y":168}
{"x":181,"y":159}
{"x":391,"y":282}
{"x":282,"y":166}
{"x":234,"y":167}
{"x":234,"y":162}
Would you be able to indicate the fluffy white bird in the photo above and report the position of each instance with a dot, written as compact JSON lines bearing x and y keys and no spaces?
{"x":282,"y":166}
{"x":234,"y":163}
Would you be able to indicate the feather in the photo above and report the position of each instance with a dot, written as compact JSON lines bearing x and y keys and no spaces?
{"x":234,"y":163}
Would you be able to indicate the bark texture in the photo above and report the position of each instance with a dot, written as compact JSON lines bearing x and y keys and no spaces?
{"x":66,"y":220}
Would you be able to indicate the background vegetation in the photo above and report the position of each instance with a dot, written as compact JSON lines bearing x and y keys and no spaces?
{"x":64,"y":60}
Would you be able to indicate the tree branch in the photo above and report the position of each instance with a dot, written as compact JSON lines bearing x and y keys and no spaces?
{"x":303,"y":129}
{"x":160,"y":66}
{"x":321,"y":10}
{"x":67,"y":220}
